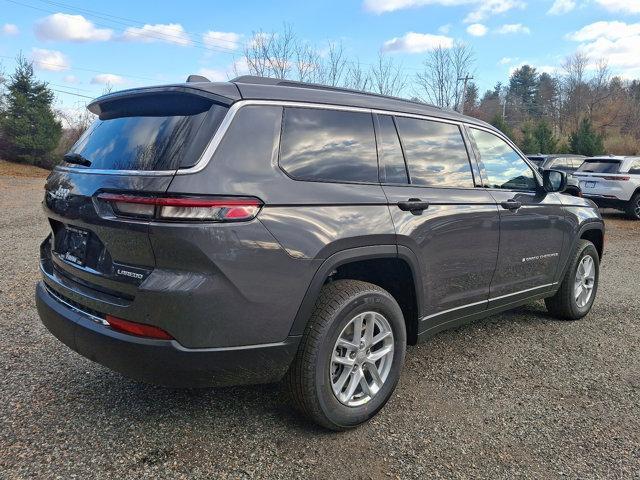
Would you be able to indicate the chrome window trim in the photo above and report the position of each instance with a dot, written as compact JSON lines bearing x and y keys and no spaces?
{"x":211,"y":147}
{"x":492,"y":299}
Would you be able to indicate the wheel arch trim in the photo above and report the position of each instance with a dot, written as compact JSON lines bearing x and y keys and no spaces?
{"x":351,"y":255}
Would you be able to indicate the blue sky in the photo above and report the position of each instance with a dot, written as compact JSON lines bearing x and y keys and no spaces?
{"x":80,"y":46}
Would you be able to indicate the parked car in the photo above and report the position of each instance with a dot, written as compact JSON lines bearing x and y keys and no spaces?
{"x":565,"y":162}
{"x":242,"y":232}
{"x":612,"y":182}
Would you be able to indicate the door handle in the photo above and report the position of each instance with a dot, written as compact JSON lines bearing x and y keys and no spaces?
{"x":413,"y":205}
{"x":511,"y":205}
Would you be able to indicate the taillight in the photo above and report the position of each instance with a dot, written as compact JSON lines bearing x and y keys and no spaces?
{"x":139,"y":329}
{"x":616,"y":178}
{"x":213,"y":209}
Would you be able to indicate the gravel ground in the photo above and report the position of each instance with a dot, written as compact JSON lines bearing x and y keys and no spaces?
{"x":516,"y":395}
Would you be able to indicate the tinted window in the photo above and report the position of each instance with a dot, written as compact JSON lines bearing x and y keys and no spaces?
{"x":436,"y":154}
{"x":538,"y":161}
{"x":392,"y":167}
{"x":503,"y":166}
{"x":600,"y":166}
{"x":148,"y":133}
{"x":329,"y":145}
{"x":560,"y":164}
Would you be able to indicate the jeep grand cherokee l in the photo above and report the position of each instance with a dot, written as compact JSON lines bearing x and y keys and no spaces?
{"x":254,"y":230}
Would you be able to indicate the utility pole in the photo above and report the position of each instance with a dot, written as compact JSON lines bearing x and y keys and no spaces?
{"x":464,"y":79}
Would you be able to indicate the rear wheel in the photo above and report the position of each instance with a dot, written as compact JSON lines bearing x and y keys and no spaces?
{"x":633,"y":207}
{"x":350,"y":356}
{"x":576,"y":294}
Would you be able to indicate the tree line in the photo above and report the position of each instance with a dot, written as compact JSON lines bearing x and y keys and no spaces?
{"x":579,"y":108}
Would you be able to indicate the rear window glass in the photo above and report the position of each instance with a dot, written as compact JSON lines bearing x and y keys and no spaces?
{"x":436,"y":154}
{"x":537,"y":161}
{"x":145,"y":136}
{"x":600,"y":166}
{"x":328,"y":145}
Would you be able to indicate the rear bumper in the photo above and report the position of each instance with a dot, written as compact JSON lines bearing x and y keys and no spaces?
{"x":163,"y":362}
{"x":605,"y":201}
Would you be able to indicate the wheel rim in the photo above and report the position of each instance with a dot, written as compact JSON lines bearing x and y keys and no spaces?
{"x":361,"y":359}
{"x":637,"y":208}
{"x":584,"y":281}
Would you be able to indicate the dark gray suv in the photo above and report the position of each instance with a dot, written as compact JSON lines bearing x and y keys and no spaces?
{"x":254,"y":230}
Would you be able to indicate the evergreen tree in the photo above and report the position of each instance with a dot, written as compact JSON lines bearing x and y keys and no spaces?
{"x":501,"y":125}
{"x":585,"y":140}
{"x":523,"y":89}
{"x":529,"y":144}
{"x":544,"y":137}
{"x":471,"y":99}
{"x":29,"y":126}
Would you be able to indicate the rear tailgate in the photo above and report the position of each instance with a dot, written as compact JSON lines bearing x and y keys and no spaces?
{"x":135,"y":147}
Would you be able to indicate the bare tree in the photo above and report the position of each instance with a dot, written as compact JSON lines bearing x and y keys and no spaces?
{"x":387,"y":77}
{"x":281,"y":51}
{"x":333,"y":65}
{"x":356,"y":77}
{"x":256,"y":54}
{"x":307,"y":63}
{"x":441,"y":80}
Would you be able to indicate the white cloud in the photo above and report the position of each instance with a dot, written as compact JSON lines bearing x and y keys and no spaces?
{"x":560,"y":7}
{"x":483,"y":8}
{"x":616,"y":42}
{"x":513,"y":28}
{"x":214,"y":74}
{"x":51,"y":60}
{"x":169,"y":33}
{"x":226,"y":40}
{"x":505,"y":60}
{"x":488,"y":8}
{"x":444,"y":29}
{"x":413,"y":42}
{"x":626,"y":6}
{"x":107,"y":79}
{"x":10,"y":29}
{"x":477,"y":30}
{"x":74,"y":28}
{"x":71,"y":79}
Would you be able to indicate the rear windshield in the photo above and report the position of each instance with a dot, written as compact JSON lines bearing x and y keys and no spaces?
{"x":600,"y":166}
{"x":538,"y":161}
{"x":159,"y":132}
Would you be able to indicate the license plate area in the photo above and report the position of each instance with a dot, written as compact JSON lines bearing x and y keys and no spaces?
{"x":586,"y":184}
{"x":73,"y":245}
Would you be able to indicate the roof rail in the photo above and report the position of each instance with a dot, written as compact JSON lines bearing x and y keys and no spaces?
{"x":293,"y":83}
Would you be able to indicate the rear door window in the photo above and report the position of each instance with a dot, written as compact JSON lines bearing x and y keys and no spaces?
{"x":155,"y":132}
{"x":392,"y":166}
{"x":600,"y":166}
{"x":328,"y":145}
{"x":635,"y":167}
{"x":436,"y":153}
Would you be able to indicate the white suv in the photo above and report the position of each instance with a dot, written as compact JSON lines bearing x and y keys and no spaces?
{"x":612,"y":182}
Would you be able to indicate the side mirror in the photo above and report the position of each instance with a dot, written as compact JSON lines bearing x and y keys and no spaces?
{"x":554,"y":180}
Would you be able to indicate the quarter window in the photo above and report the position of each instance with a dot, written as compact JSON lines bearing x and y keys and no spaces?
{"x":635,"y":168}
{"x":392,"y":167}
{"x":328,"y":145}
{"x":503,"y":166}
{"x":436,"y":154}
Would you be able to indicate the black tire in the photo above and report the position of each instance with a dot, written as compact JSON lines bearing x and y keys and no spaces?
{"x":563,"y":304}
{"x":632,"y":209}
{"x":308,"y":379}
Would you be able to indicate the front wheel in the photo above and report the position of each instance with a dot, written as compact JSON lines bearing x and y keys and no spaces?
{"x":350,"y":356}
{"x":576,"y":294}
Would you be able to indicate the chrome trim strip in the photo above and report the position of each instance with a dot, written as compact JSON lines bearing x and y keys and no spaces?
{"x":211,"y":147}
{"x":523,"y":291}
{"x":99,"y":320}
{"x":453,"y":309}
{"x":486,"y":301}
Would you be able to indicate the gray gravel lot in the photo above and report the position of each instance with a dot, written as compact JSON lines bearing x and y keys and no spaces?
{"x":516,"y":395}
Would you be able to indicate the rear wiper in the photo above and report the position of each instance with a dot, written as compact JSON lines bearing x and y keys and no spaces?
{"x":77,"y":159}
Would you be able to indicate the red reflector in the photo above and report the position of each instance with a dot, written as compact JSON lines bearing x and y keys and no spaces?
{"x":139,"y":329}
